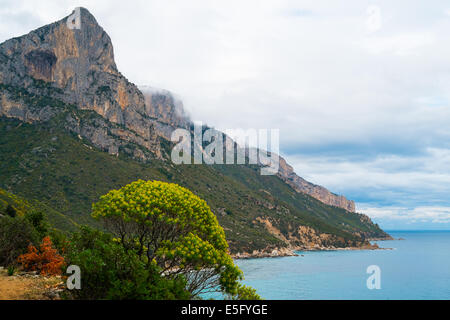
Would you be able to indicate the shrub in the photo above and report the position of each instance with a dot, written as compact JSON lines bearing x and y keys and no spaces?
{"x":60,"y":240}
{"x":246,"y":293}
{"x":10,"y":211}
{"x":15,"y":236}
{"x":38,"y":221}
{"x":11,"y":270}
{"x":46,"y":260}
{"x":168,"y":225}
{"x":108,"y":271}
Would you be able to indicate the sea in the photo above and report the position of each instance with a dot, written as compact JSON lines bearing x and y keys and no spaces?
{"x":416,"y":268}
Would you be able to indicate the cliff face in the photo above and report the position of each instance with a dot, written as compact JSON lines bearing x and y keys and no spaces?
{"x":287,"y":174}
{"x":167,"y":111}
{"x":80,"y":62}
{"x":76,"y":69}
{"x":305,"y":238}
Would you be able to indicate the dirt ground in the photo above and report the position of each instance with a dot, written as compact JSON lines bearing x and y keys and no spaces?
{"x":28,"y":287}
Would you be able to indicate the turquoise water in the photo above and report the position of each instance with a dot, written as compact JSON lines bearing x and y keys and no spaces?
{"x":417,"y":268}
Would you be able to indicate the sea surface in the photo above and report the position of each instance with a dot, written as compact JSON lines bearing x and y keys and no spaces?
{"x":416,"y":268}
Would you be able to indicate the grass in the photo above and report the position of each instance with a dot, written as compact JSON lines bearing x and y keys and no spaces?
{"x":22,"y":206}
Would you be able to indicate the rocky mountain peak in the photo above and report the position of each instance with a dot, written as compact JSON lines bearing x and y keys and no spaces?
{"x":72,"y":60}
{"x":61,"y":54}
{"x":76,"y":55}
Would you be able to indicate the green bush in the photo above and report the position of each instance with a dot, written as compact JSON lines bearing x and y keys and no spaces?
{"x":15,"y":236}
{"x":167,"y":224}
{"x":108,"y":271}
{"x":11,"y":270}
{"x":246,"y":293}
{"x":10,"y":211}
{"x":39,"y":221}
{"x":60,"y":239}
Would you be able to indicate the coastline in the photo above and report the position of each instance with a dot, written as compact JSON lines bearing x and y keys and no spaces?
{"x":292,"y":252}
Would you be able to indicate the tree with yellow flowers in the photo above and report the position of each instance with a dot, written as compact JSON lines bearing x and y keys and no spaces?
{"x":168,"y":226}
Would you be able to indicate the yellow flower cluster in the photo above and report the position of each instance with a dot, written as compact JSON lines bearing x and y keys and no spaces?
{"x":157,"y":206}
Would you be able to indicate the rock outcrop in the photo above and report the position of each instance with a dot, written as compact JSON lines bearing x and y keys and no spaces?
{"x":167,"y":111}
{"x":287,"y":174}
{"x":307,"y":238}
{"x":76,"y":67}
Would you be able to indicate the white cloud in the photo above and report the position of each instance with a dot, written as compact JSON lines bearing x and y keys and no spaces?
{"x":374,"y":18}
{"x":439,"y":215}
{"x":401,"y":44}
{"x":420,"y":180}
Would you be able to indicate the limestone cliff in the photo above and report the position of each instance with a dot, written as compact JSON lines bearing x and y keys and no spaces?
{"x":77,"y":67}
{"x":167,"y":111}
{"x":287,"y":174}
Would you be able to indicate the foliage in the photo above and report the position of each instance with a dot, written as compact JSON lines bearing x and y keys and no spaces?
{"x":15,"y":236}
{"x":246,"y":293}
{"x":36,"y":212}
{"x":8,"y":199}
{"x":68,"y":176}
{"x":169,"y":225}
{"x":108,"y":271}
{"x":38,"y":221}
{"x":46,"y":260}
{"x":29,"y":225}
{"x":10,"y":211}
{"x":11,"y":270}
{"x":60,"y":240}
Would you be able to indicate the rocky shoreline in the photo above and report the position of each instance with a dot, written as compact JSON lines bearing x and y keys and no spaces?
{"x":291,"y":252}
{"x":389,"y":238}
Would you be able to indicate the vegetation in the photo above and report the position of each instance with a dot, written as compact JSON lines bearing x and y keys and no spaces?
{"x":46,"y":260}
{"x":15,"y":236}
{"x":10,"y":211}
{"x":38,"y":221}
{"x":245,"y":293}
{"x":153,"y":240}
{"x":22,"y":231}
{"x":11,"y":270}
{"x":68,"y":176}
{"x":111,"y":272}
{"x":37,"y":213}
{"x":170,"y":227}
{"x":164,"y":243}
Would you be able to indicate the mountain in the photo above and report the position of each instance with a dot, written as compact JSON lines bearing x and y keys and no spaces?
{"x":73,"y":127}
{"x":77,"y":68}
{"x":287,"y":174}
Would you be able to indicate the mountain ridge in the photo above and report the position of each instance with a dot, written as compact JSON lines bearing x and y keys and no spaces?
{"x":63,"y":78}
{"x":81,"y":63}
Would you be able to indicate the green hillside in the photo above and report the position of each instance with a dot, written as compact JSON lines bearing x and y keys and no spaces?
{"x":23,"y":206}
{"x":42,"y":162}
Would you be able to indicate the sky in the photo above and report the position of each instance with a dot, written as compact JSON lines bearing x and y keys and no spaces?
{"x":360,"y":90}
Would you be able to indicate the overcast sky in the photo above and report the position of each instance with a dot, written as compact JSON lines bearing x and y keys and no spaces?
{"x":359,"y":89}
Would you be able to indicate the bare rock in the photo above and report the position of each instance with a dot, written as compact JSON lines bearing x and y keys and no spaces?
{"x":287,"y":174}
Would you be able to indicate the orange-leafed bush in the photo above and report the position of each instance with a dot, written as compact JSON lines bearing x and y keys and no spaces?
{"x":46,"y":260}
